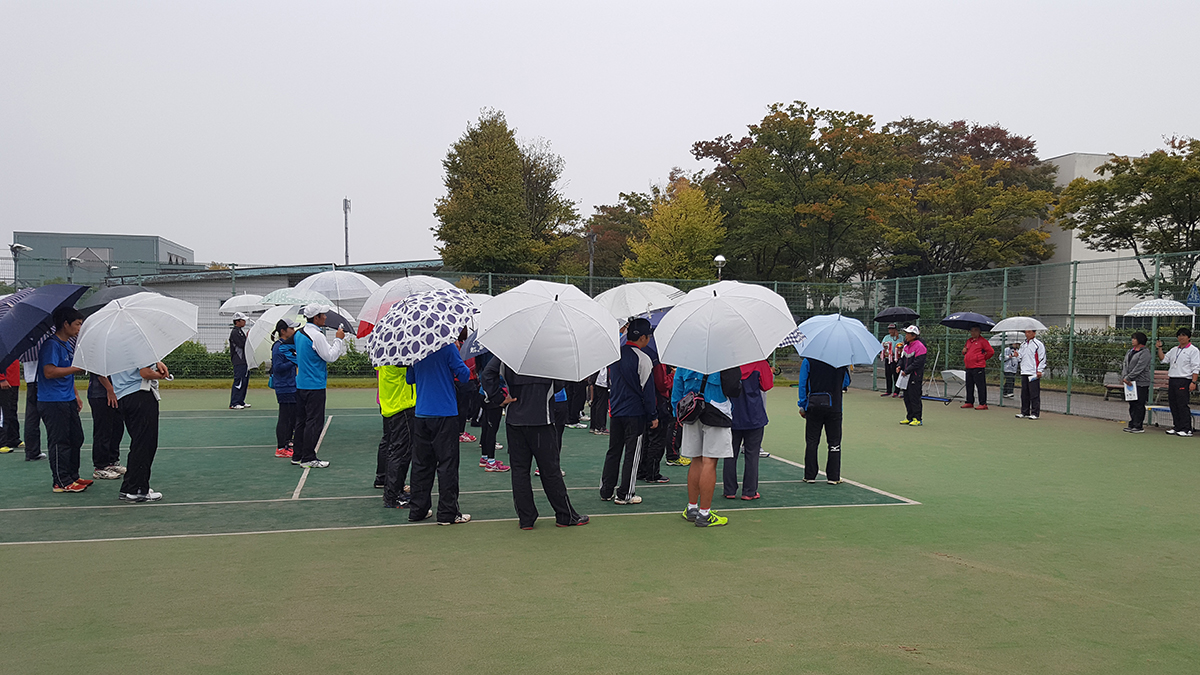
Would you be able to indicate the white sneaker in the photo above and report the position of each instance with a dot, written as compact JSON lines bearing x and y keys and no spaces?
{"x":1019,"y":416}
{"x":116,"y":467}
{"x":458,"y":520}
{"x":1170,"y":431}
{"x":315,"y":464}
{"x":150,"y":496}
{"x":1032,"y":417}
{"x":629,"y":499}
{"x":105,"y":474}
{"x":1184,"y":434}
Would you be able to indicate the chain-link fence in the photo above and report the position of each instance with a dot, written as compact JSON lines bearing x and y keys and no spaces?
{"x":1083,"y":303}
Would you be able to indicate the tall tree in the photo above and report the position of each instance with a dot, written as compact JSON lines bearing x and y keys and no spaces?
{"x":613,"y":225}
{"x":1148,"y":204}
{"x":967,"y":220}
{"x":808,"y":191}
{"x":682,"y":234}
{"x":484,"y":221}
{"x":937,"y":150}
{"x":553,"y":218}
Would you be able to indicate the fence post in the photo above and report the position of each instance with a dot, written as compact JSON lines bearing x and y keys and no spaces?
{"x":875,"y":332}
{"x":1071,"y":335}
{"x":896,"y":297}
{"x":233,"y":279}
{"x":918,"y":307}
{"x":949,"y":285}
{"x":489,"y":283}
{"x":1154,"y":321}
{"x":1004,"y":298}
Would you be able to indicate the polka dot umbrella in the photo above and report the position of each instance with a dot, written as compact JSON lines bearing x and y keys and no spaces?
{"x":420,"y":325}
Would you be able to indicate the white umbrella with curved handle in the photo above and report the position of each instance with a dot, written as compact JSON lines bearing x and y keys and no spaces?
{"x":134,"y":332}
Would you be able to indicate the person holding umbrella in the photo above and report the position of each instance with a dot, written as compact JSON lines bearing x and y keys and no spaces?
{"x":313,"y":354}
{"x":708,"y":438}
{"x":283,"y":381}
{"x":1184,"y":368}
{"x":137,"y":395}
{"x":532,"y":437}
{"x":912,"y":374}
{"x":1033,"y":365}
{"x":976,"y":353}
{"x":821,"y":387}
{"x":890,"y":356}
{"x":58,"y":402}
{"x":237,"y":354}
{"x":435,"y":434}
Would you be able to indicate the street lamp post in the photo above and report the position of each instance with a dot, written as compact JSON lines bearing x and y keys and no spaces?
{"x":591,"y":240}
{"x":17,"y":250}
{"x":71,"y":262}
{"x":346,"y":213}
{"x":719,"y":261}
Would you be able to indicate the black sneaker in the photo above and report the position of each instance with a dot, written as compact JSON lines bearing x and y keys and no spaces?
{"x":379,"y":485}
{"x":658,"y":479}
{"x":1138,"y":430}
{"x":581,"y":520}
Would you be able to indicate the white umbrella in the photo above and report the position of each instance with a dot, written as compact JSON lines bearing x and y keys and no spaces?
{"x":339,"y":285}
{"x":479,"y":298}
{"x":392,"y":292}
{"x":295,"y":296}
{"x":1160,"y":307}
{"x":544,"y":329}
{"x":1010,"y":337}
{"x":134,"y":332}
{"x":247,"y":302}
{"x":1021,"y":323}
{"x":638,"y":298}
{"x":258,"y":339}
{"x":837,"y":340}
{"x":723,"y":325}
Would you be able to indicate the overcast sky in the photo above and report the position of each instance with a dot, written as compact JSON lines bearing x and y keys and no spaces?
{"x":235,"y":128}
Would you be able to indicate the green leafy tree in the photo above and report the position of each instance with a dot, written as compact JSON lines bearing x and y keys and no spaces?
{"x":1148,"y":204}
{"x":807,"y":192}
{"x":553,"y":218}
{"x":682,"y":234}
{"x":937,"y":150}
{"x":483,"y":219}
{"x":967,"y":220}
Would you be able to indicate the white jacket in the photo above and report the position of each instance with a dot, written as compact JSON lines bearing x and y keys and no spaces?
{"x":1033,"y":357}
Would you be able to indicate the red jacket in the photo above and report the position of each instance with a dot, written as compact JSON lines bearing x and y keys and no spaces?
{"x":766,"y":377}
{"x":977,"y":352}
{"x":13,"y":374}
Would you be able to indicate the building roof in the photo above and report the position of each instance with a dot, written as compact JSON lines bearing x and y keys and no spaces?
{"x":274,"y":270}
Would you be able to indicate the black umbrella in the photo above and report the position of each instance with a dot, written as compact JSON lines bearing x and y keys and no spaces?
{"x":967,"y":321}
{"x":896,"y":315}
{"x":334,"y":321}
{"x":29,"y":319}
{"x":109,"y":293}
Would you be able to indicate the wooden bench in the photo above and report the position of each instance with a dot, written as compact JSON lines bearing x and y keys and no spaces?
{"x":1113,"y":384}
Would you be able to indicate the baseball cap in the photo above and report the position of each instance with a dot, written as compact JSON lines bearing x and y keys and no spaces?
{"x":913,"y":329}
{"x":639,"y":327}
{"x":891,"y":326}
{"x":292,"y":322}
{"x":240,"y":317}
{"x":314,"y":309}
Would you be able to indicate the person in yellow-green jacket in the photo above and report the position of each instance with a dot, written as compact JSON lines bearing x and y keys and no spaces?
{"x":397,"y":403}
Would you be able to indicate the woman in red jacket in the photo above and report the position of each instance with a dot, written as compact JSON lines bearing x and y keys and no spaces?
{"x":975,"y":357}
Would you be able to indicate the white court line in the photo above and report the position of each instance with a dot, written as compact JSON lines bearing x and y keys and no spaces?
{"x":258,"y":417}
{"x":906,"y":500}
{"x":304,"y":476}
{"x":215,"y":447}
{"x":429,"y":521}
{"x":377,"y":495}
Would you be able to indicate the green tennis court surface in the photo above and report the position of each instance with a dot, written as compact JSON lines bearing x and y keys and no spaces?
{"x":1055,"y":546}
{"x":218,"y":475}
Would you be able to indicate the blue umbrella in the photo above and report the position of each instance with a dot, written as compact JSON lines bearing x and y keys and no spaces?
{"x":471,"y":347}
{"x":29,"y":318}
{"x":837,"y":340}
{"x":967,"y":321}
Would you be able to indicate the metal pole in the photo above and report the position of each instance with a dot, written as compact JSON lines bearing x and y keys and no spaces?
{"x":489,"y":283}
{"x":1004,"y":302}
{"x":949,"y":286}
{"x":1071,"y":336}
{"x":591,"y":239}
{"x":1154,"y":320}
{"x":918,"y":307}
{"x":233,"y":278}
{"x":875,"y":332}
{"x":346,"y":213}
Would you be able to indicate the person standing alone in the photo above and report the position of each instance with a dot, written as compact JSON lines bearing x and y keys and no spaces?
{"x":313,"y":354}
{"x":1033,"y":366}
{"x":237,"y":354}
{"x":1137,"y":371}
{"x":912,"y":374}
{"x":1184,"y":368}
{"x":976,"y":353}
{"x":820,"y":401}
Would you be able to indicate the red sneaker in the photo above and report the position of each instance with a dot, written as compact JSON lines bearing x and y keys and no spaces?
{"x":282,"y":452}
{"x":84,"y":481}
{"x":468,"y":438}
{"x":967,"y":405}
{"x":981,"y":407}
{"x":756,"y":496}
{"x":497,"y":466}
{"x":77,"y":486}
{"x":483,"y":462}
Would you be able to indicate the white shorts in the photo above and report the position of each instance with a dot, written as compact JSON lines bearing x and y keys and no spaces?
{"x":701,"y":440}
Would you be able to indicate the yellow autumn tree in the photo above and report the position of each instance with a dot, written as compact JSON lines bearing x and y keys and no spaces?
{"x":683,"y":233}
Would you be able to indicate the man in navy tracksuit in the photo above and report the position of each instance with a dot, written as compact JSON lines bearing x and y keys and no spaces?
{"x":435,"y":435}
{"x":633,"y":404}
{"x":820,"y":403}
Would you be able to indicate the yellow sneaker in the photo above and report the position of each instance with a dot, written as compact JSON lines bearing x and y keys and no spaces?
{"x":905,"y":421}
{"x":685,"y":461}
{"x":5,"y":449}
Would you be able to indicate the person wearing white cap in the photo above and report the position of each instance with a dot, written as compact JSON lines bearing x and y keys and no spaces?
{"x":237,"y":354}
{"x":912,"y":373}
{"x":313,"y":354}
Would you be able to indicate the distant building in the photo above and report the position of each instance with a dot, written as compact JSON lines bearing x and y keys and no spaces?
{"x":92,"y":258}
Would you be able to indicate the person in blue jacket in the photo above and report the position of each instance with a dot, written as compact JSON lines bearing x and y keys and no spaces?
{"x":633,"y":406}
{"x":707,"y":439}
{"x":435,"y":435}
{"x":313,"y":354}
{"x":820,"y":405}
{"x":283,"y":381}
